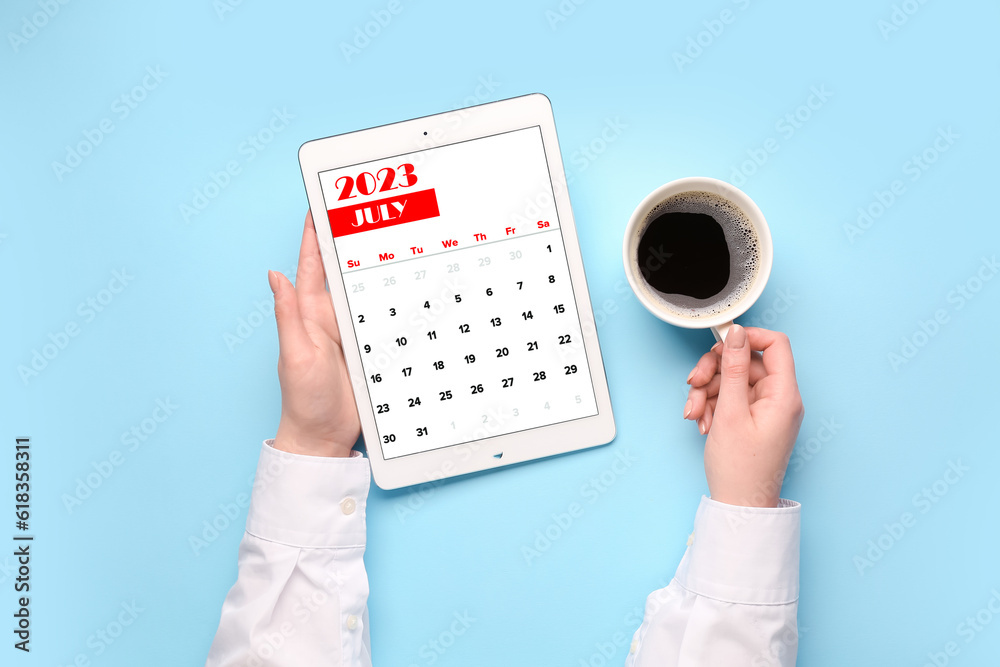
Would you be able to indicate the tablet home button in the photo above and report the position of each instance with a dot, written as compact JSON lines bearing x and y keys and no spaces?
{"x":348,"y":505}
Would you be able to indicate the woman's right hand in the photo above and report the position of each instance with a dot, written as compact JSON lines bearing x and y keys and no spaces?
{"x":744,"y":395}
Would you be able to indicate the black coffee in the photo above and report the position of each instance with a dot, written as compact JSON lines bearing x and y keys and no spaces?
{"x":698,"y":252}
{"x":685,"y":254}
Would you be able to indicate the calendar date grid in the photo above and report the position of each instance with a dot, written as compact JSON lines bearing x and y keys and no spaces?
{"x":463,"y":357}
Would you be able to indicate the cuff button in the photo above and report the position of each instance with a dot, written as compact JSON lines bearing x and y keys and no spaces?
{"x":348,"y":505}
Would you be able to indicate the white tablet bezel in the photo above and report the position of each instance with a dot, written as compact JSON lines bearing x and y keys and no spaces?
{"x":433,"y":132}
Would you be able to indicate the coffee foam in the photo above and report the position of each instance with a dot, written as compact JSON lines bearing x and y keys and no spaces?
{"x":744,"y":253}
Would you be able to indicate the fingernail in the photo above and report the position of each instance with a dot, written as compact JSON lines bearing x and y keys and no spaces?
{"x":687,"y":408}
{"x":691,"y":375}
{"x":701,"y":426}
{"x":272,"y":280}
{"x":717,"y":348}
{"x":736,"y":339}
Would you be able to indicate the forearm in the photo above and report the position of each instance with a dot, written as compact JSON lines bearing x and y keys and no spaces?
{"x":734,"y":598}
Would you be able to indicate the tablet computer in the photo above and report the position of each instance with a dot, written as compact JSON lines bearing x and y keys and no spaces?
{"x":454,"y":267}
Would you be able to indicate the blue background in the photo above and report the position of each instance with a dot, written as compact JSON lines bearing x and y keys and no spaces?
{"x":848,"y":302}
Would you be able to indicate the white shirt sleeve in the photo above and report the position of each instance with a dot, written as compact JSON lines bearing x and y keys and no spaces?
{"x":734,"y":598}
{"x":301,"y":591}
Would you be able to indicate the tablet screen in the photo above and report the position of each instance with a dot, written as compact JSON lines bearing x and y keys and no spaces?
{"x":459,"y":292}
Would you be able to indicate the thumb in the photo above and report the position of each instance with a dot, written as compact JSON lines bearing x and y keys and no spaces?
{"x":292,"y":337}
{"x":734,"y":392}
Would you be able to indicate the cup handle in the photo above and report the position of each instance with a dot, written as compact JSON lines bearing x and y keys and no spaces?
{"x":720,"y":331}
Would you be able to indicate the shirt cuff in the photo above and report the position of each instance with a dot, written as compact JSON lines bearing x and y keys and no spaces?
{"x":744,"y":555}
{"x":309,"y":501}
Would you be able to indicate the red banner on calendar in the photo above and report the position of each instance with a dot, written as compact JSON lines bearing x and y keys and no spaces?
{"x":381,"y":213}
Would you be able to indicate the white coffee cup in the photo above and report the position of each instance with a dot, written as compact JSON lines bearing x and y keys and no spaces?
{"x":720,"y":322}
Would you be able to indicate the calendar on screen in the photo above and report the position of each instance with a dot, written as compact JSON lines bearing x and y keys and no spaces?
{"x":459,"y":292}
